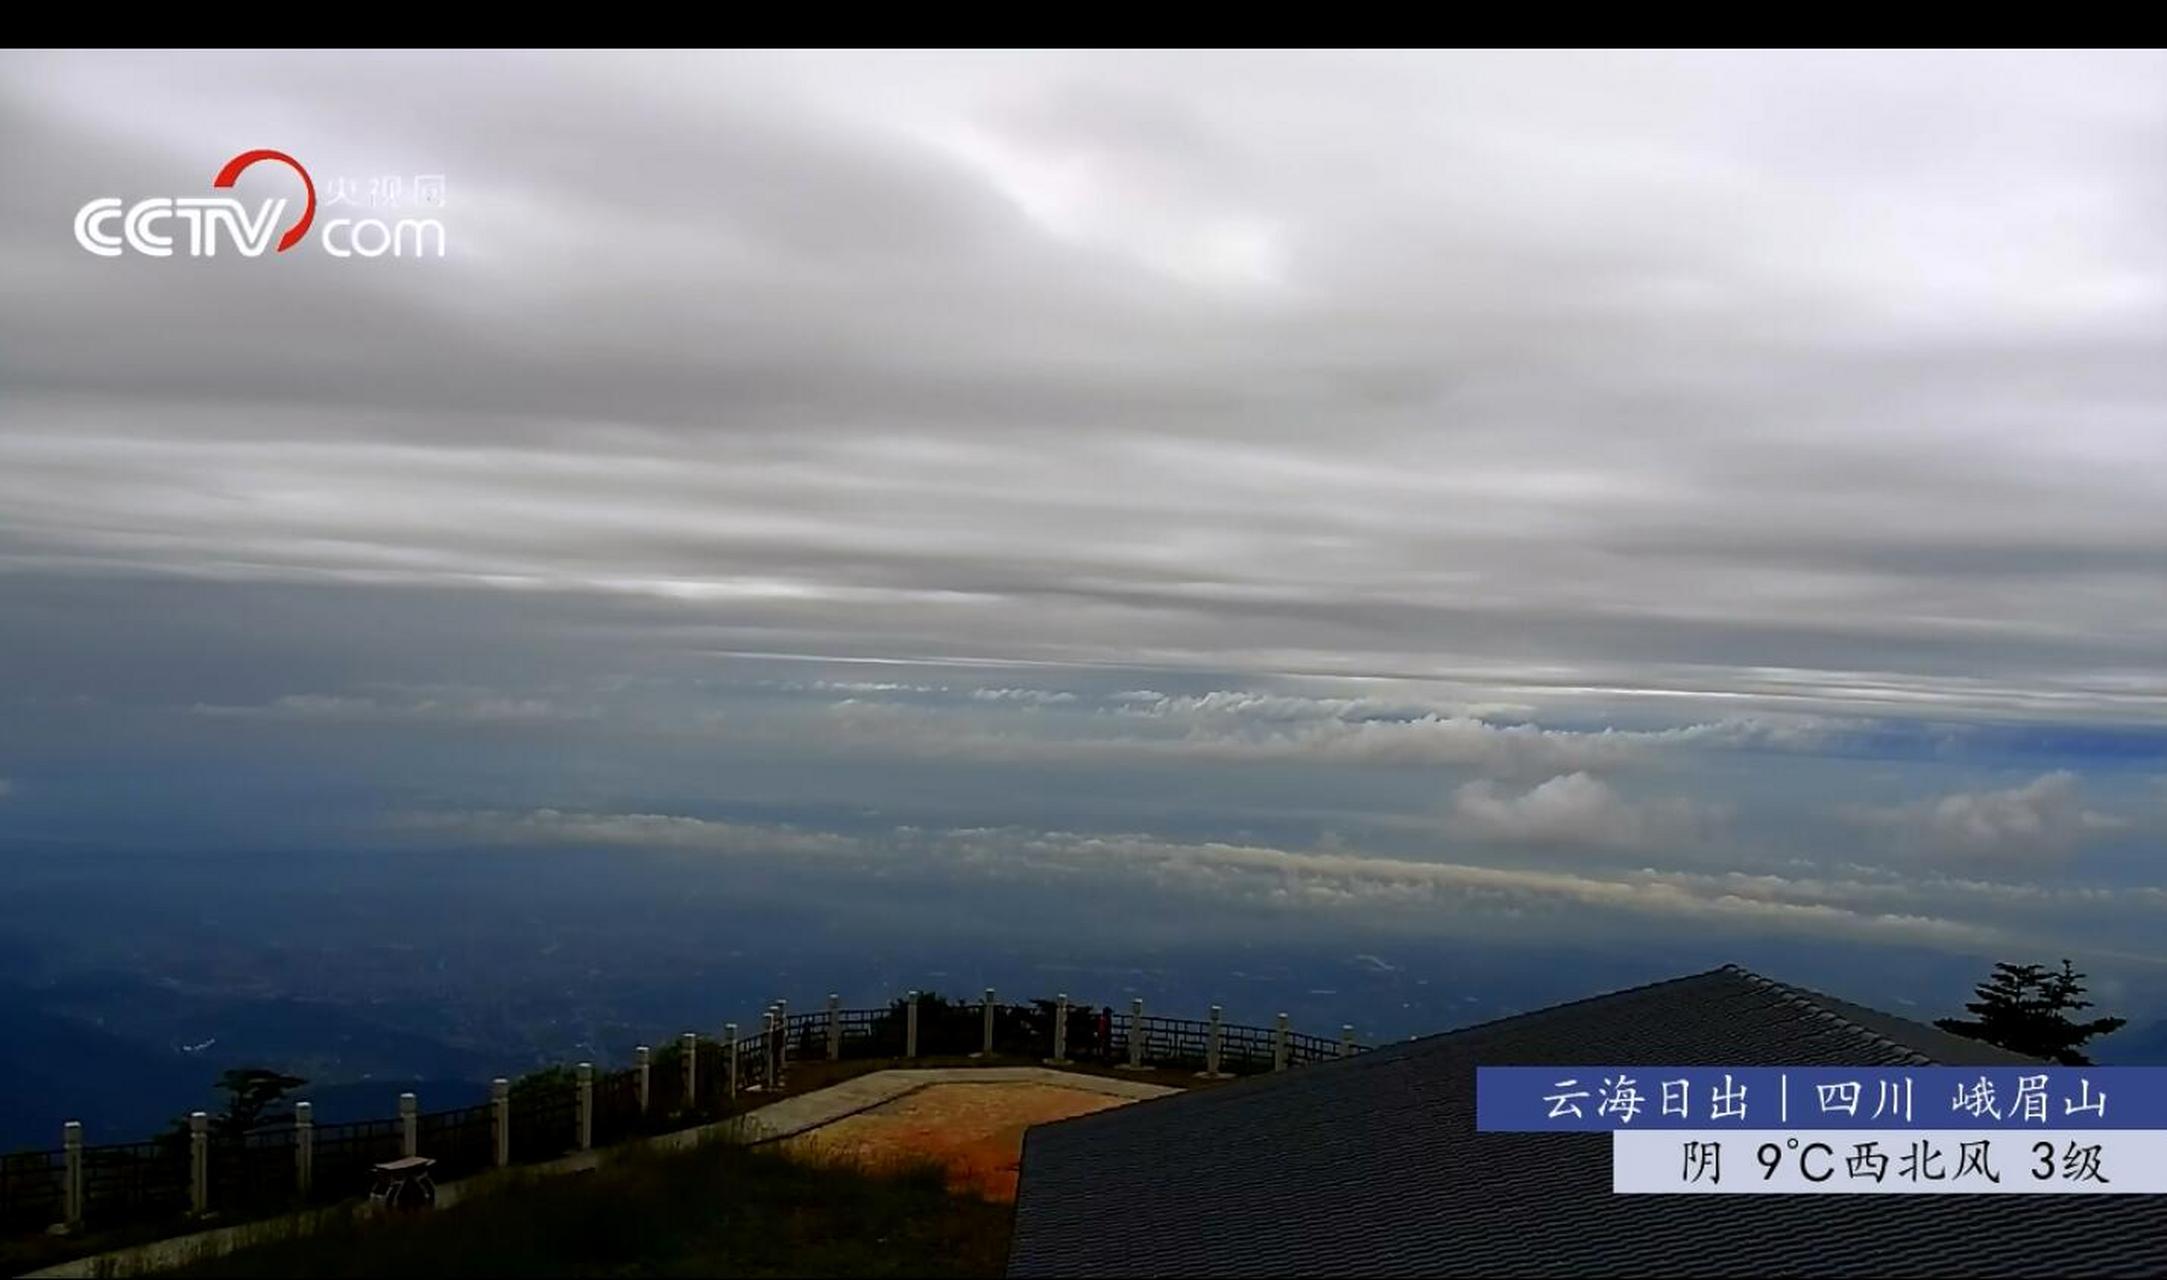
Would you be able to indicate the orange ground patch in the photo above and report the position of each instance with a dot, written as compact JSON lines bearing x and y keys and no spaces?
{"x":975,"y":1130}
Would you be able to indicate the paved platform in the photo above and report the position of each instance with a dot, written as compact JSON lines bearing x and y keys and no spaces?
{"x":810,"y":1111}
{"x":969,"y":1122}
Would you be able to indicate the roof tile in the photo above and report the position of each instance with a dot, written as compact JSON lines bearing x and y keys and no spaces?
{"x":1371,"y":1166}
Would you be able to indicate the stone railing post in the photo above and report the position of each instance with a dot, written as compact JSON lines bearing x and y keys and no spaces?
{"x":643,"y":1067}
{"x":199,"y":1162}
{"x":584,"y":1074}
{"x":729,"y":1058}
{"x":71,"y":1186}
{"x":782,"y":1045}
{"x":1136,"y":1034}
{"x":688,"y":1045}
{"x":1279,"y":1044}
{"x":409,"y":1125}
{"x":1060,"y":1031}
{"x":835,"y":1027}
{"x":910,"y":1025}
{"x":1346,"y":1039}
{"x":1214,"y":1043}
{"x":985,"y":1030}
{"x":500,"y":1119}
{"x":304,"y":1148}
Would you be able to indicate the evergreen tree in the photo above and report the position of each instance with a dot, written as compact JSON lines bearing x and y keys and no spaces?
{"x":252,"y":1093}
{"x":2026,"y":1009}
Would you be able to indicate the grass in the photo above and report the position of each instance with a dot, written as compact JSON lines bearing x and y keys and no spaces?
{"x":32,"y":1251}
{"x":715,"y":1210}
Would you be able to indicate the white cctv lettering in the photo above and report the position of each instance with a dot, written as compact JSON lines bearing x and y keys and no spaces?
{"x":208,"y":220}
{"x":148,"y":227}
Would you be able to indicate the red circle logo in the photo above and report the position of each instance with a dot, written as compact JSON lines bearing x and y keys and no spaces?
{"x":234,"y":168}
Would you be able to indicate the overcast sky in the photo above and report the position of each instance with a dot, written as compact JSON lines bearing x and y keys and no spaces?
{"x":1654,"y":488}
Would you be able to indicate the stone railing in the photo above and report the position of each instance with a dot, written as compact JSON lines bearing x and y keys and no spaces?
{"x":190,"y":1174}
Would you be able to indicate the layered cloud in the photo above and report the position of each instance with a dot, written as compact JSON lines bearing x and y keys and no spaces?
{"x":444,"y":708}
{"x":635,"y":830}
{"x":1253,"y":726}
{"x":1353,"y":364}
{"x":1539,"y":459}
{"x":2035,"y":824}
{"x":1578,"y":811}
{"x":1390,"y":893}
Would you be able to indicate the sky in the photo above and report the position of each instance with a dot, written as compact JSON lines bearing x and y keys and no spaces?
{"x":1573,"y":498}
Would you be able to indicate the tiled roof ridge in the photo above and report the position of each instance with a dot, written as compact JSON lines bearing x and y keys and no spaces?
{"x":1803,"y":1000}
{"x":1489,"y":1024}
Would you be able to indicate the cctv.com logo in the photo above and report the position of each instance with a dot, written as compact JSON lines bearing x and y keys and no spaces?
{"x":203,"y":226}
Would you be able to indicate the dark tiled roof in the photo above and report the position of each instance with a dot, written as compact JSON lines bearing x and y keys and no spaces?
{"x":1371,"y":1166}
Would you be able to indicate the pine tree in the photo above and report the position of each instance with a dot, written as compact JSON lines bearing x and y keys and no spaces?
{"x":253,"y":1096}
{"x":2025,"y":1008}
